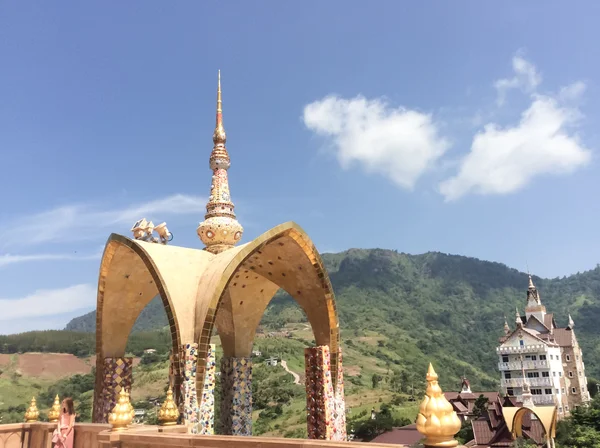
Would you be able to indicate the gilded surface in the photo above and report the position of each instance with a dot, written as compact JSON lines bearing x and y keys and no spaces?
{"x":54,"y":412}
{"x":437,"y":420}
{"x":168,"y":414}
{"x":32,"y":414}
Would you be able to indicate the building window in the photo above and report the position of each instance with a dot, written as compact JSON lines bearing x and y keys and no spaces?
{"x":568,"y":358}
{"x":560,"y":374}
{"x":504,"y":358}
{"x":551,"y":357}
{"x":580,"y":373}
{"x":553,"y":373}
{"x":570,"y":374}
{"x":566,"y":408}
{"x":533,"y":374}
{"x":521,"y":343}
{"x":548,"y":391}
{"x":543,"y":357}
{"x":510,"y":391}
{"x":557,"y":391}
{"x":536,"y":391}
{"x":577,"y":357}
{"x":507,"y":375}
{"x":563,"y":390}
{"x":573,"y":390}
{"x":545,"y":374}
{"x":560,"y":409}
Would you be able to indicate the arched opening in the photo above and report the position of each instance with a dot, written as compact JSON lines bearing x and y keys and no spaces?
{"x":545,"y":415}
{"x":129,"y":279}
{"x":282,"y":258}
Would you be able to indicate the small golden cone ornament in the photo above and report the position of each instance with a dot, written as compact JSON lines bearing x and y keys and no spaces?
{"x":54,"y":413}
{"x":122,"y":414}
{"x":32,"y":414}
{"x":168,"y":414}
{"x":437,"y":420}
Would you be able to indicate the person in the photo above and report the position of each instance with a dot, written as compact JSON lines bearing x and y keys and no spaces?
{"x":63,"y":434}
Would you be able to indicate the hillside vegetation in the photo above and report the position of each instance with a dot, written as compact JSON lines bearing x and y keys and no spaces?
{"x":432,"y":307}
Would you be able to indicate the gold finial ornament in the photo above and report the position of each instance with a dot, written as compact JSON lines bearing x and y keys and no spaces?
{"x":220,"y":229}
{"x":437,"y":420}
{"x":122,"y":414}
{"x":32,"y":414}
{"x":168,"y":414}
{"x":54,"y":412}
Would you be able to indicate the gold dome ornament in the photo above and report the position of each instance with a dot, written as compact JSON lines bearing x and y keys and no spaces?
{"x":54,"y":413}
{"x":168,"y":414}
{"x":122,"y":414}
{"x":437,"y":420}
{"x":32,"y":414}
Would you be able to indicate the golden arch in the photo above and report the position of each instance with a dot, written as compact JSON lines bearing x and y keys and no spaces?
{"x":547,"y":416}
{"x":194,"y":284}
{"x":244,"y":282}
{"x":132,"y":273}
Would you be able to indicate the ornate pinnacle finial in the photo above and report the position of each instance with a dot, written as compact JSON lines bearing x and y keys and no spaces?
{"x":122,"y":414}
{"x":437,"y":420}
{"x":220,"y":229}
{"x":518,"y":319}
{"x":32,"y":414}
{"x":531,"y":285}
{"x":506,"y":327}
{"x":571,"y":322}
{"x":168,"y":413}
{"x":54,"y":413}
{"x":219,"y":136}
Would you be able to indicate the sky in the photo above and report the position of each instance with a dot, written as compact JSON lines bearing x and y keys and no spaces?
{"x":462,"y":127}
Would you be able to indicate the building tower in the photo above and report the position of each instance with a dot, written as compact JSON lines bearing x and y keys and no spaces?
{"x":220,"y":229}
{"x":541,"y":360}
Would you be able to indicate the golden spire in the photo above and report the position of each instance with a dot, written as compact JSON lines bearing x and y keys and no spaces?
{"x":122,"y":414}
{"x":54,"y":413}
{"x":168,"y":413}
{"x":531,"y":285}
{"x":32,"y":414}
{"x":220,"y":229}
{"x":437,"y":420}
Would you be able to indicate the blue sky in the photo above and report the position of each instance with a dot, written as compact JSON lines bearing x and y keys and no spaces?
{"x":462,"y":127}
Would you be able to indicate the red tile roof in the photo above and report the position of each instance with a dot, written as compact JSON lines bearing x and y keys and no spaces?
{"x":563,"y":337}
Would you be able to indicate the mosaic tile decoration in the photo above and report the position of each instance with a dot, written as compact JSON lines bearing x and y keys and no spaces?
{"x":117,"y":374}
{"x":325,"y":407}
{"x":206,"y":413}
{"x":189,"y":357}
{"x":236,"y":396}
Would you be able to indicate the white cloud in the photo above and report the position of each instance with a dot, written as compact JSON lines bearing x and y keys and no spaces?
{"x":9,"y":259}
{"x":572,"y":92}
{"x":81,"y":222}
{"x":526,"y":78}
{"x":400,"y":144}
{"x":48,"y":302}
{"x":503,"y":160}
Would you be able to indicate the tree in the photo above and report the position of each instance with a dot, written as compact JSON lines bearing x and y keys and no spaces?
{"x":376,"y":379}
{"x":480,"y":406}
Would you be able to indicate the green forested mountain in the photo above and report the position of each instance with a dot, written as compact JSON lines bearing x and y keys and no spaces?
{"x":434,"y":306}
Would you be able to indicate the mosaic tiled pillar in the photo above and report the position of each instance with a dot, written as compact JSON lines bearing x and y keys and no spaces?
{"x":325,"y":405}
{"x":117,"y":374}
{"x":189,"y":360}
{"x":236,"y":396}
{"x":206,"y":414}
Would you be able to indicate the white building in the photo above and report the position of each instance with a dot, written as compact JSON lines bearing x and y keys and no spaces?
{"x":546,"y":357}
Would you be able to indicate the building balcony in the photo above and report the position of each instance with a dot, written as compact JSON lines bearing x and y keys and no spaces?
{"x":537,"y":348}
{"x":527,"y":365}
{"x":533,"y":382}
{"x":539,"y":399}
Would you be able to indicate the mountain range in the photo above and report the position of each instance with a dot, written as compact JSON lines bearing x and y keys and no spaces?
{"x":436,"y":307}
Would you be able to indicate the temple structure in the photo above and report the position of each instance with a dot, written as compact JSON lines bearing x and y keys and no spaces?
{"x":227,"y":286}
{"x":538,"y":354}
